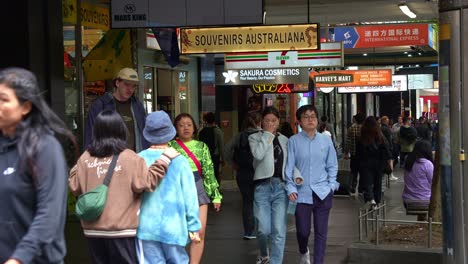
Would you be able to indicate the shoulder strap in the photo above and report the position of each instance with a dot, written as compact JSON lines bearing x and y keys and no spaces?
{"x":110,"y":170}
{"x":191,"y":155}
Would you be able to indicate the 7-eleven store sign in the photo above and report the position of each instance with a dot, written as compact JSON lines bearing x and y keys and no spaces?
{"x":329,"y":55}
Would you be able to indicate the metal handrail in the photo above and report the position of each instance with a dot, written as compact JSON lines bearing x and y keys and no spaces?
{"x":374,"y":219}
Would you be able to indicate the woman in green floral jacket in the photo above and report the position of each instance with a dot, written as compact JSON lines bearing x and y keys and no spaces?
{"x":198,"y":155}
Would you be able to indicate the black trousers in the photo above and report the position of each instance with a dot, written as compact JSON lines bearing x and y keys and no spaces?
{"x":354,"y":167}
{"x":371,"y":179}
{"x":246,"y":186}
{"x":112,"y":250}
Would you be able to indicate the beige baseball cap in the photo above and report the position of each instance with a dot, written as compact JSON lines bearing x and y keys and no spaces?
{"x":127,"y":74}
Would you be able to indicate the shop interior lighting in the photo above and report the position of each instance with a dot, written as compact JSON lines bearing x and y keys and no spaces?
{"x":405,"y":9}
{"x":365,"y":54}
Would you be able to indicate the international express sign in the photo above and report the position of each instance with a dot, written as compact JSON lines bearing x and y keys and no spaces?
{"x":383,"y":35}
{"x":347,"y":78}
{"x":244,"y":39}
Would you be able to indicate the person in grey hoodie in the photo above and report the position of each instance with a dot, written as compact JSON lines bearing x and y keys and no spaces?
{"x":33,"y":192}
{"x":270,"y":151}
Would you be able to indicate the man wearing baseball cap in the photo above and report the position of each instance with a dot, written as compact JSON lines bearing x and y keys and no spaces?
{"x":123,"y":101}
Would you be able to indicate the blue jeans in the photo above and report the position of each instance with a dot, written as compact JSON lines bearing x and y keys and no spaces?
{"x":270,"y":207}
{"x":153,"y":252}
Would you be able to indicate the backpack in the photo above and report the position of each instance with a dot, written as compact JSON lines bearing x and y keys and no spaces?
{"x":208,"y":136}
{"x":242,"y":153}
{"x":90,"y":205}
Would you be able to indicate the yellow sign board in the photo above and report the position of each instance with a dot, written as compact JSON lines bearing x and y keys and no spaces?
{"x":69,"y":11}
{"x":92,"y":16}
{"x":245,"y":39}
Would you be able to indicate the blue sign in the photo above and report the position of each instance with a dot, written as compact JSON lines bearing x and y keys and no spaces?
{"x":348,"y":35}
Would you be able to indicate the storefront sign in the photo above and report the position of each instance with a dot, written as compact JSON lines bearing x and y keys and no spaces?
{"x":284,"y":88}
{"x":420,"y":81}
{"x":263,"y":76}
{"x":352,"y":78}
{"x":384,"y":35}
{"x":399,"y":84}
{"x":179,"y":13}
{"x":92,"y":16}
{"x":329,"y":55}
{"x":247,"y":39}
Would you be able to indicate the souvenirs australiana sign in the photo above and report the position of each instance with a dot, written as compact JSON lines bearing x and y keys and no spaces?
{"x":245,"y":39}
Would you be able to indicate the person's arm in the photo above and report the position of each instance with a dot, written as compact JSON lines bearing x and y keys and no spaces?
{"x":209,"y":179}
{"x":290,"y":165}
{"x":331,"y":165}
{"x":230,"y":148}
{"x":220,"y":143}
{"x":73,"y":181}
{"x":260,"y":143}
{"x":148,"y":178}
{"x":51,"y":203}
{"x":429,"y":172}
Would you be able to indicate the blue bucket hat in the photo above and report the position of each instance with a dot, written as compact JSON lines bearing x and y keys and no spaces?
{"x":158,"y":128}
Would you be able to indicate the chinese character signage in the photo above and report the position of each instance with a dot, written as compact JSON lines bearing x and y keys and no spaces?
{"x":329,"y":55}
{"x":347,"y":78}
{"x":248,"y":39}
{"x":384,"y":35}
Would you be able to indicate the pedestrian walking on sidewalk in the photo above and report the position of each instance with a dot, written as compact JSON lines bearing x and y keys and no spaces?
{"x":314,"y":155}
{"x":111,"y":237}
{"x":374,"y":156}
{"x":169,"y":215}
{"x":33,"y":189}
{"x":239,"y":154}
{"x":198,"y":155}
{"x":269,"y":150}
{"x":353,"y":135}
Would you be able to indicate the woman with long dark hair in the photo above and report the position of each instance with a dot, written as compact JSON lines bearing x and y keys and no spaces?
{"x":374,"y":154}
{"x":111,"y":237}
{"x":33,"y":192}
{"x":419,"y":170}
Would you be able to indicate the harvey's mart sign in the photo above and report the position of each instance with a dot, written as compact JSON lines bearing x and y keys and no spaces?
{"x":245,"y":39}
{"x":352,"y":78}
{"x":329,"y":55}
{"x":263,"y":76}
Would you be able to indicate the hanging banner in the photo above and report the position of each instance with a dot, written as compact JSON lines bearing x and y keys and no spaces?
{"x":263,"y":76}
{"x":347,"y":78}
{"x":329,"y":55}
{"x":384,"y":35}
{"x":248,"y":39}
{"x":69,"y":11}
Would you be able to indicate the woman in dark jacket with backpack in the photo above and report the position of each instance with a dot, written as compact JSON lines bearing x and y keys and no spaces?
{"x":373,"y":152}
{"x":238,"y":153}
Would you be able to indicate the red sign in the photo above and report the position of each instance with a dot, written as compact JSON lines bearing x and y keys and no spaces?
{"x":383,"y":35}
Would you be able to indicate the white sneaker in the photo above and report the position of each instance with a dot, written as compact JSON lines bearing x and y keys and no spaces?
{"x":305,"y":258}
{"x":393,"y":178}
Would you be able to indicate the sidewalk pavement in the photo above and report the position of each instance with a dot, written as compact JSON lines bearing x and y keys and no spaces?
{"x":224,"y":244}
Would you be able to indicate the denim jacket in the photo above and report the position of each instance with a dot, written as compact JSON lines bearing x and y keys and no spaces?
{"x":261,"y":145}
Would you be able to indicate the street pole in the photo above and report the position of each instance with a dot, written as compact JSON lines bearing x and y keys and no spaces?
{"x":453,"y":75}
